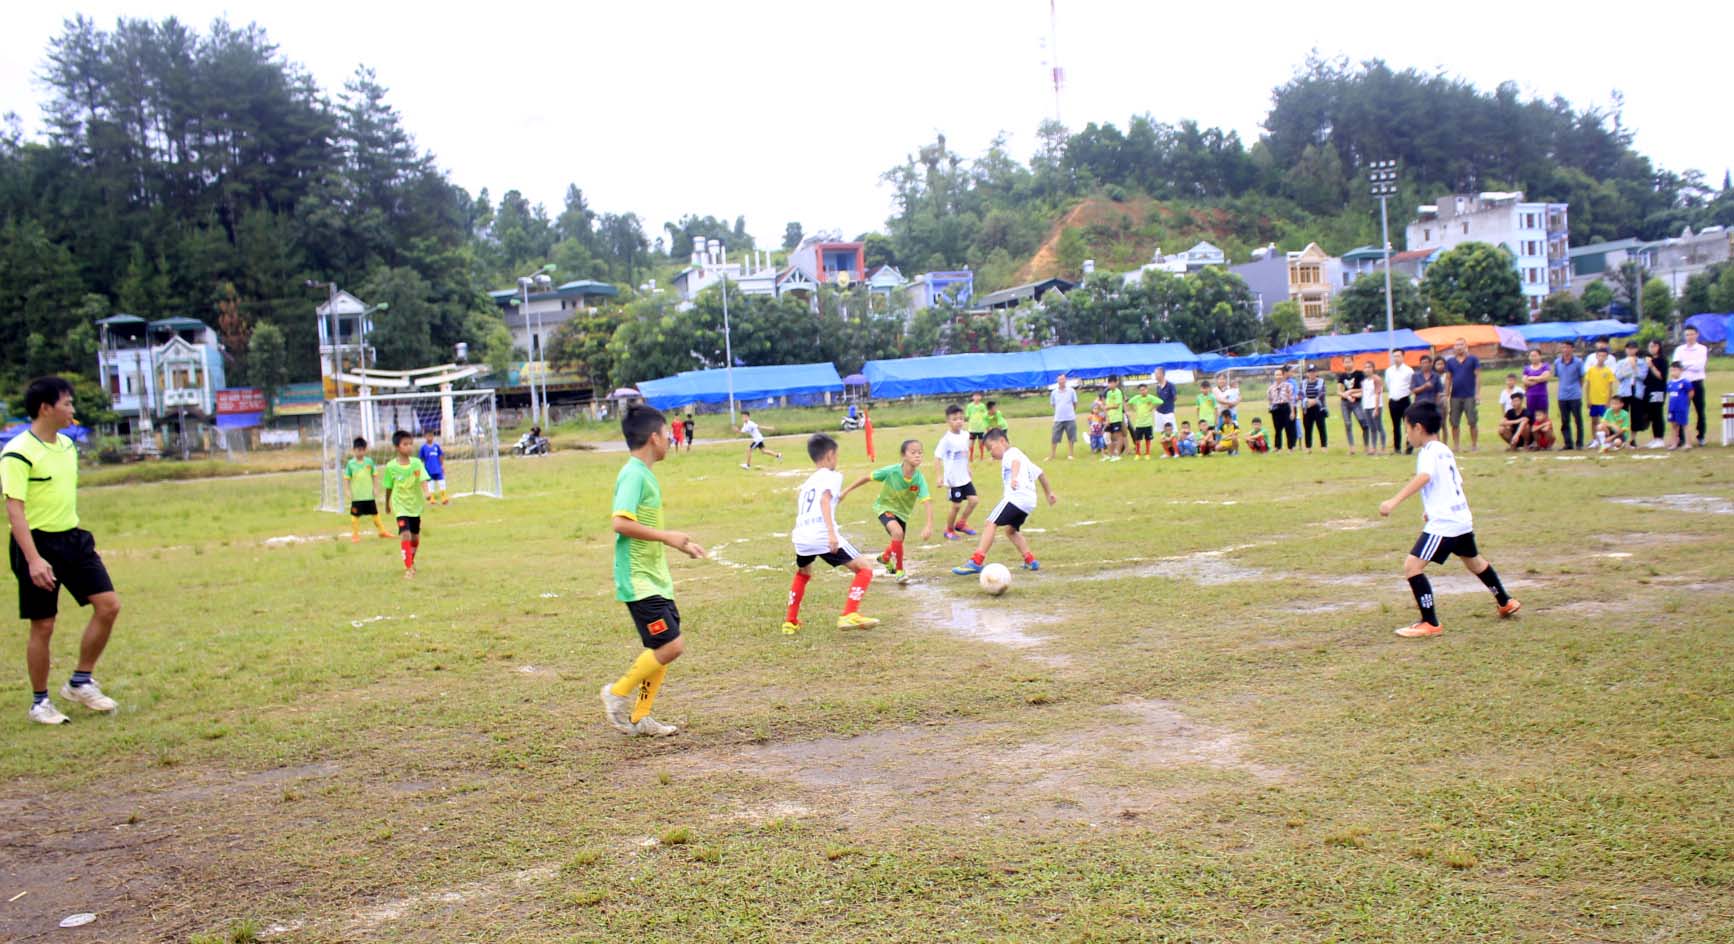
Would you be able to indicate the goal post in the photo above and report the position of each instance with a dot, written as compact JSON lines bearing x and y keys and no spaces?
{"x":466,"y":421}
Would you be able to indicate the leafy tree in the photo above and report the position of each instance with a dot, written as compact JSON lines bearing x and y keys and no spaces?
{"x":1597,"y":297}
{"x":1072,"y":250}
{"x":1722,"y":296}
{"x":1562,"y":306}
{"x":581,"y":345}
{"x":792,"y":236}
{"x":402,"y":334}
{"x":1284,"y":325}
{"x":1474,"y":282}
{"x":1658,"y":301}
{"x":1627,"y":283}
{"x":1699,"y":292}
{"x":267,"y":361}
{"x":1362,"y":305}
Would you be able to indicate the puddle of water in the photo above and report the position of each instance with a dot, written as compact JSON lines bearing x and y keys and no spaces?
{"x":1682,"y":501}
{"x":992,"y":620}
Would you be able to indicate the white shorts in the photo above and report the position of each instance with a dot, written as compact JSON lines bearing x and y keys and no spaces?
{"x":1165,"y":419}
{"x":438,"y":485}
{"x":819,"y":550}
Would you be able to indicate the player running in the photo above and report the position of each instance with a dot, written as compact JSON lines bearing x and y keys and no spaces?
{"x":1020,"y":476}
{"x":750,"y":428}
{"x":904,"y":487}
{"x":1448,"y":527}
{"x":815,"y":538}
{"x":953,"y":455}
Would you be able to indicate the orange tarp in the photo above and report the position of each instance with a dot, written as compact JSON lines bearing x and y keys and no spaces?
{"x":1478,"y":335}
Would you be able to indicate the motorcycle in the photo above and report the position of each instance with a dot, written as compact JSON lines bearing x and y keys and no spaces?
{"x":531,"y":444}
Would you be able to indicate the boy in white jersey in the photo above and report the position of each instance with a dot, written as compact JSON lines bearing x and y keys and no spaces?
{"x":816,"y":538}
{"x":1021,"y":476}
{"x":750,"y":428}
{"x":1448,"y":528}
{"x":952,"y":454}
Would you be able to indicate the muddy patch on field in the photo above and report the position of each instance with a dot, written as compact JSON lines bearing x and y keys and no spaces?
{"x":1349,"y":524}
{"x":1140,"y":757}
{"x":1205,"y":568}
{"x":1681,"y":501}
{"x":994,"y":620}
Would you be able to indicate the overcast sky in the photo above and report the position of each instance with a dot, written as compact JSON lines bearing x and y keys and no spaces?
{"x":772,"y":110}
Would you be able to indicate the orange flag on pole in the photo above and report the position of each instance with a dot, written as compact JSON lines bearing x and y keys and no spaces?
{"x":867,"y":425}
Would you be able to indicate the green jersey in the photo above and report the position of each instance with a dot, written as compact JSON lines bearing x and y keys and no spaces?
{"x":1143,"y":409}
{"x":44,"y":476}
{"x":1620,"y":420}
{"x":640,"y":567}
{"x":900,"y":494}
{"x":359,"y":472}
{"x":1116,"y":405}
{"x":1206,"y":408}
{"x":975,"y":417}
{"x":403,"y":487}
{"x":996,"y":420}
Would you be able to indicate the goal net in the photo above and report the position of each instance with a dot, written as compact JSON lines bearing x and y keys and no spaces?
{"x":465,"y":420}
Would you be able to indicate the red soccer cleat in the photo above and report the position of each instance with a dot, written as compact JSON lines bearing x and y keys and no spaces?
{"x":1510,"y":608}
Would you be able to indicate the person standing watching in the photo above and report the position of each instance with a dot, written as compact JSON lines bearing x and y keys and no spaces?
{"x":1314,"y":414}
{"x":1065,"y":401}
{"x":1656,"y":395}
{"x":1535,"y":378}
{"x":1629,"y":373}
{"x":1349,"y":403}
{"x":1281,"y":396}
{"x":1692,"y":358}
{"x":1165,"y":395}
{"x":1398,"y":379}
{"x":1463,"y":381}
{"x":39,"y":476}
{"x":1568,"y":372}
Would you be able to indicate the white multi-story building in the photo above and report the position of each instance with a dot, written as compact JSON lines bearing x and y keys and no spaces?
{"x":156,"y":369}
{"x":1536,"y":234}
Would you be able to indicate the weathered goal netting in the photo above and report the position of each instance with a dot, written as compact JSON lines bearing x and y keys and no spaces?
{"x":465,"y":420}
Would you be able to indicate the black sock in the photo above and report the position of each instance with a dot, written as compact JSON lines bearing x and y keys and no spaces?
{"x":79,"y":679}
{"x":1423,"y":591}
{"x":1491,"y":579}
{"x":38,"y":698}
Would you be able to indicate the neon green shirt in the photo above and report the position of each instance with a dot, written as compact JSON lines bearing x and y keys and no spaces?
{"x":996,"y":420}
{"x":44,"y":476}
{"x":1620,"y":420}
{"x":900,"y":495}
{"x":1206,"y":408}
{"x":975,"y":417}
{"x":1143,"y":409}
{"x":1116,"y":401}
{"x":359,"y":472}
{"x":640,"y":567}
{"x":402,"y":484}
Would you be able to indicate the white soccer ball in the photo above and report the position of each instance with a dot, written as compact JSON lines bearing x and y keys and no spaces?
{"x":995,"y":579}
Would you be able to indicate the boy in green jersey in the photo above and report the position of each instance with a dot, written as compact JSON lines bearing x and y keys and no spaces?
{"x":1206,"y":406}
{"x":39,"y":477}
{"x":405,"y":484}
{"x":975,"y":420}
{"x":641,"y":577}
{"x":1614,"y":429}
{"x":1143,"y":408}
{"x":361,"y":476}
{"x":1116,"y":401}
{"x":904,"y":487}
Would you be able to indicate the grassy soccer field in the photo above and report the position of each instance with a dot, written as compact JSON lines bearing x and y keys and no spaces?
{"x":1194,"y":724}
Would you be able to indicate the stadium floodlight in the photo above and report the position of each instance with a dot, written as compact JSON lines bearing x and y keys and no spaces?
{"x":542,"y":282}
{"x":1382,"y":180}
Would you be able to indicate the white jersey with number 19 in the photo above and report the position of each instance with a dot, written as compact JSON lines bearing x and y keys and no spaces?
{"x":810,"y":535}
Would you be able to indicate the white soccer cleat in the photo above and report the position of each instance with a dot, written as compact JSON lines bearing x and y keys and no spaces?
{"x":88,"y":695}
{"x":650,"y":727}
{"x":618,"y":710}
{"x":44,"y":712}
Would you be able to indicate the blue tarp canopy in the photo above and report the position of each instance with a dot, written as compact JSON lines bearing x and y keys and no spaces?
{"x":750,"y":383}
{"x":1549,"y":332}
{"x":1091,"y":361}
{"x":1367,"y":342}
{"x":1712,"y":329}
{"x":1603,"y":328}
{"x":956,"y":373}
{"x":1217,"y":363}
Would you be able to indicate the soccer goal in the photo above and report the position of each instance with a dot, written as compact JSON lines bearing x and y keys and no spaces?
{"x":465,"y":420}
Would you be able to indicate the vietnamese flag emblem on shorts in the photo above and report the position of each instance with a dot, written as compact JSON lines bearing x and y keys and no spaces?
{"x":658,"y":628}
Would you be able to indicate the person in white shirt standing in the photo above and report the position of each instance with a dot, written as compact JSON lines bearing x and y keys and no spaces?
{"x":1021,"y":476}
{"x":1398,"y":378}
{"x":952,"y":453}
{"x":1693,"y":358}
{"x":1065,"y":400}
{"x":1448,"y":527}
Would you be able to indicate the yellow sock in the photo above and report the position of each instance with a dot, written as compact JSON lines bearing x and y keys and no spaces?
{"x":647,"y":693}
{"x":640,"y":671}
{"x":378,"y":525}
{"x":355,"y":526}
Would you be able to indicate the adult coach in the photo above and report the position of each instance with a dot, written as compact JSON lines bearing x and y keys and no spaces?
{"x":1399,"y":377}
{"x":1165,"y":395}
{"x":1693,"y":357}
{"x":1568,"y":373}
{"x":39,"y":476}
{"x":1463,"y":379}
{"x":1065,"y":400}
{"x":1280,"y":395}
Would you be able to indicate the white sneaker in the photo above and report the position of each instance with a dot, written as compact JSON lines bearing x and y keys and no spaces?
{"x":44,"y":712}
{"x":618,"y":710}
{"x":650,"y":727}
{"x":88,"y":695}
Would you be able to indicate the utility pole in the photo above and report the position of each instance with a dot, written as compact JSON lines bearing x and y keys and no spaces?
{"x":1383,"y":178}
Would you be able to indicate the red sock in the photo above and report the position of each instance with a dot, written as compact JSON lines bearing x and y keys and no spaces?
{"x":797,"y":590}
{"x":857,"y":590}
{"x":978,"y":557}
{"x":408,"y":553}
{"x":1029,"y":557}
{"x":897,"y":553}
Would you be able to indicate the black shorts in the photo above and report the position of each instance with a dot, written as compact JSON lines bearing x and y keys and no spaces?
{"x":758,"y":444}
{"x":1116,"y":427}
{"x":77,"y":567}
{"x":656,"y":619}
{"x":368,"y":507}
{"x":1143,"y":433}
{"x":1436,"y":547}
{"x":689,"y":427}
{"x":975,"y":436}
{"x":885,"y":519}
{"x":412,"y":525}
{"x":837,"y":558}
{"x":962,"y":493}
{"x":1010,"y":516}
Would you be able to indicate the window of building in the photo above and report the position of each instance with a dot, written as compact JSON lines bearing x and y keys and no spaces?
{"x":1426,"y":235}
{"x":1465,"y":227}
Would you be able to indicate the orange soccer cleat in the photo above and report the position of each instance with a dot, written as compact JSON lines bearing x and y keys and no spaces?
{"x":1510,"y":608}
{"x":1419,"y":630}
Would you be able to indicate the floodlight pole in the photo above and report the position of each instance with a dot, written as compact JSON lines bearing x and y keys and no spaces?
{"x":1384,"y":184}
{"x":728,"y":338}
{"x":524,"y":312}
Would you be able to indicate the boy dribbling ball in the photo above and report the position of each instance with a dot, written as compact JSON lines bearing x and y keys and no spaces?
{"x":904,"y":486}
{"x":641,"y":577}
{"x":815,"y":538}
{"x":953,"y":454}
{"x":1021,"y":476}
{"x":405,"y":482}
{"x":1448,"y":527}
